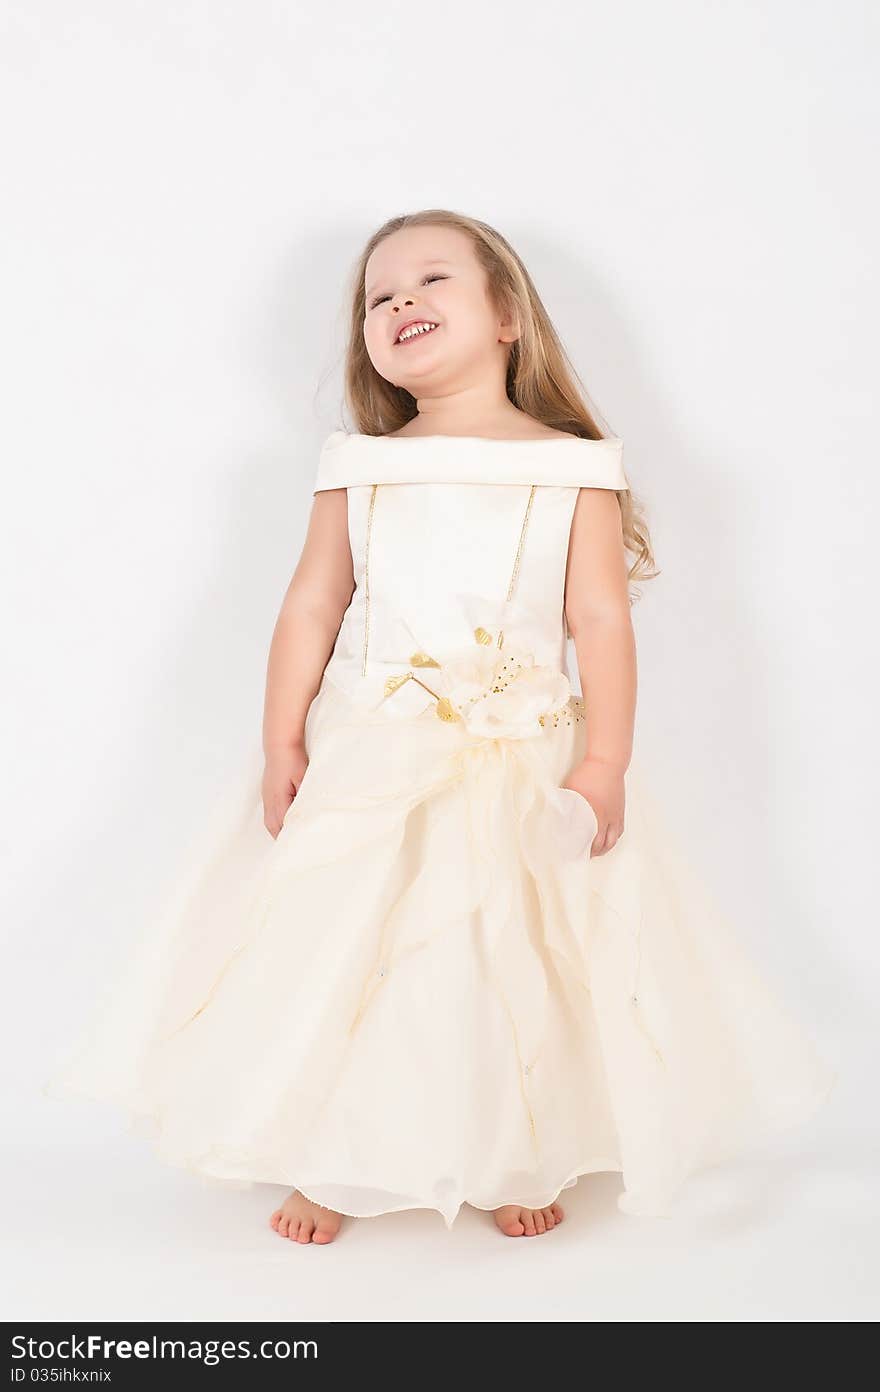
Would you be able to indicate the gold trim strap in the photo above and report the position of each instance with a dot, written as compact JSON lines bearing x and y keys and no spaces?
{"x":367,"y":577}
{"x":519,"y":551}
{"x":522,"y":538}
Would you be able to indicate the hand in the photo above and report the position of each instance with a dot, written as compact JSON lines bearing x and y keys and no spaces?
{"x":281,"y":778}
{"x":603,"y":786}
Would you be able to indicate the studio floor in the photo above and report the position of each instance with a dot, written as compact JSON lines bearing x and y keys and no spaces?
{"x":95,"y":1227}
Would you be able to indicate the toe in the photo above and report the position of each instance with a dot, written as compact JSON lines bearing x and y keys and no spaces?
{"x":549,"y":1220}
{"x":306,"y":1228}
{"x":538,"y":1220}
{"x":528,"y":1222}
{"x":283,"y":1223}
{"x":275,"y":1217}
{"x":508,"y":1219}
{"x":558,"y":1212}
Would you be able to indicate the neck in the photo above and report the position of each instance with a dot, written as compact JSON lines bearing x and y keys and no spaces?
{"x":468,"y":412}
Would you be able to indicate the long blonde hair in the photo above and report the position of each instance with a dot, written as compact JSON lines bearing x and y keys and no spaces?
{"x":541,"y":381}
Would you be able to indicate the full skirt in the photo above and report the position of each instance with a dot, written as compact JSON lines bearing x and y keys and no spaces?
{"x":425,"y":992}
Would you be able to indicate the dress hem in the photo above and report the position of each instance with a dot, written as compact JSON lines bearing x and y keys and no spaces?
{"x":658,"y":1207}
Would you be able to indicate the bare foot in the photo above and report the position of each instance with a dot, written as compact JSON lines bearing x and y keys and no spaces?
{"x":303,"y":1221}
{"x":527,"y":1222}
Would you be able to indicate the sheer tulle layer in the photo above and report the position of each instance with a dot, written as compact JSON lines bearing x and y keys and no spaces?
{"x":424,"y":992}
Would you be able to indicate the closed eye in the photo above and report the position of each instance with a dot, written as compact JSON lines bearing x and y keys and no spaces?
{"x":434,"y":276}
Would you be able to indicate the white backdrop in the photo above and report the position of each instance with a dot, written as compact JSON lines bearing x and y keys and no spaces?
{"x":187,"y":186}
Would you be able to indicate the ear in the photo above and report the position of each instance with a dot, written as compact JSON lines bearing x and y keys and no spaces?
{"x":509,"y":329}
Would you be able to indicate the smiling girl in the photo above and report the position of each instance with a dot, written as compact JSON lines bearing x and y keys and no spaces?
{"x":450,"y":953}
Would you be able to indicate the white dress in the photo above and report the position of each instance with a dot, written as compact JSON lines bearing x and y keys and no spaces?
{"x":425,"y":992}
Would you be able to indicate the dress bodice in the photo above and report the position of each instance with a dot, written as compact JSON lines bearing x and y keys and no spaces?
{"x":450,"y":535}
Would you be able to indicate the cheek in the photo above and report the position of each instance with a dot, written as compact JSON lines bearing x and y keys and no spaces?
{"x":470,"y":330}
{"x":467,"y":312}
{"x":375,"y":340}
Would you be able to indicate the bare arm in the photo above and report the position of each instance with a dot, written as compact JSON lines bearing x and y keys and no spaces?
{"x":308,"y":623}
{"x":597,"y":611}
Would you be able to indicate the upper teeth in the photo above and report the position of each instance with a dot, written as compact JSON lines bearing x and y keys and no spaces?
{"x":412,"y":329}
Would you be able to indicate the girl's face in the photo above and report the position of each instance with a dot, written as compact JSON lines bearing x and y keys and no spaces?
{"x":430,"y":275}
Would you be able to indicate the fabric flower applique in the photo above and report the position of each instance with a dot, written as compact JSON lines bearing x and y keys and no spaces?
{"x":495,"y":688}
{"x":500,"y":695}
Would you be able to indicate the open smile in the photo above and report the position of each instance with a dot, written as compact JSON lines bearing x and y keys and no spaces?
{"x":420,"y":329}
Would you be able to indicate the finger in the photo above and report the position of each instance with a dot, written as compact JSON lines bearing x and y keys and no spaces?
{"x":598,"y":845}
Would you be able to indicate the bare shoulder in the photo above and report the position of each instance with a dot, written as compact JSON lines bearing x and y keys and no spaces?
{"x":597,"y":522}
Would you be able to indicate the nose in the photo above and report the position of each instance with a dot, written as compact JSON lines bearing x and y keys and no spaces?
{"x":407,"y":301}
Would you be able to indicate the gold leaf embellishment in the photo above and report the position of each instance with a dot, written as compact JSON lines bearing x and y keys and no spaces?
{"x":395,"y":683}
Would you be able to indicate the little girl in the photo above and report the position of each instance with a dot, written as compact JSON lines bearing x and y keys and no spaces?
{"x":447,"y":951}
